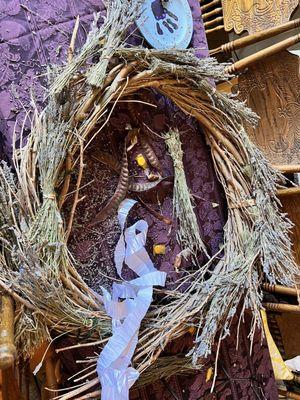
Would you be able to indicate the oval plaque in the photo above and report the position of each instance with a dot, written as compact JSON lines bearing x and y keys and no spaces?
{"x":166,"y":24}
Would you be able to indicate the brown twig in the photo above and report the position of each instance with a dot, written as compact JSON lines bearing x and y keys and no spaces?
{"x":108,"y":160}
{"x":80,"y":297}
{"x":16,"y":297}
{"x":76,"y":195}
{"x":66,"y":185}
{"x":156,"y":214}
{"x":93,"y":395}
{"x":73,"y":39}
{"x":77,"y":346}
{"x":80,"y":390}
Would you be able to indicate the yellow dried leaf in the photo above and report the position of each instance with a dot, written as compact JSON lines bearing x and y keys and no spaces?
{"x":209,"y":374}
{"x":141,"y":161}
{"x":159,"y":249}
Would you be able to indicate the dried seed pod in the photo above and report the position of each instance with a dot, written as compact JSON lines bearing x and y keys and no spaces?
{"x":146,"y":186}
{"x":133,"y":114}
{"x":152,"y":176}
{"x":142,"y":187}
{"x":119,"y":194}
{"x":132,"y":138}
{"x":149,"y":152}
{"x":111,"y":162}
{"x":177,"y":262}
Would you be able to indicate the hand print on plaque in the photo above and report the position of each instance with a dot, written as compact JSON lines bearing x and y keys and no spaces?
{"x":163,"y":17}
{"x":166,"y":24}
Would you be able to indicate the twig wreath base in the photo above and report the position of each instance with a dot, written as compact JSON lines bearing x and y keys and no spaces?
{"x":39,"y":272}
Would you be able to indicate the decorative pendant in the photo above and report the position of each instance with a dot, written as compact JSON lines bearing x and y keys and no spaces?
{"x":166,"y":24}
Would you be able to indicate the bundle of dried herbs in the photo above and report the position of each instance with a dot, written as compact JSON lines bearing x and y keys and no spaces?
{"x":188,"y":233}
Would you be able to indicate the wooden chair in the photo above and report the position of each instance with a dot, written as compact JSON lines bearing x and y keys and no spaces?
{"x":289,"y":395}
{"x":255,"y":37}
{"x":263,"y":54}
{"x":10,"y":385}
{"x":255,"y":16}
{"x":212,"y":15}
{"x":270,"y":85}
{"x":49,"y":381}
{"x":7,"y":346}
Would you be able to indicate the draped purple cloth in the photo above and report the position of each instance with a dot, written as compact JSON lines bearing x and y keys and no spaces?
{"x":34,"y":33}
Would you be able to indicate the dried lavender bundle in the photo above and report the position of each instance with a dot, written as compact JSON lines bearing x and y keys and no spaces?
{"x":47,"y":224}
{"x":120,"y":15}
{"x":165,"y":368}
{"x":17,"y":262}
{"x":35,"y":264}
{"x":103,"y":42}
{"x":188,"y":234}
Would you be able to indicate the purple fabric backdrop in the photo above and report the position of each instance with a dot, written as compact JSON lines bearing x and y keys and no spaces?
{"x":34,"y":33}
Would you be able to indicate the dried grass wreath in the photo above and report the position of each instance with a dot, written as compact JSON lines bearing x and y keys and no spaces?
{"x":37,"y":269}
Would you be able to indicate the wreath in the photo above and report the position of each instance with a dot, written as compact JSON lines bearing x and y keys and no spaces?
{"x":37,"y":268}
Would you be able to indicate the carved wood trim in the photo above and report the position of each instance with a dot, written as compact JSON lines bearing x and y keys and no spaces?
{"x":271,"y":88}
{"x":256,"y":15}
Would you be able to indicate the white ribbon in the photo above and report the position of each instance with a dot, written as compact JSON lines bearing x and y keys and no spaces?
{"x":127,"y":306}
